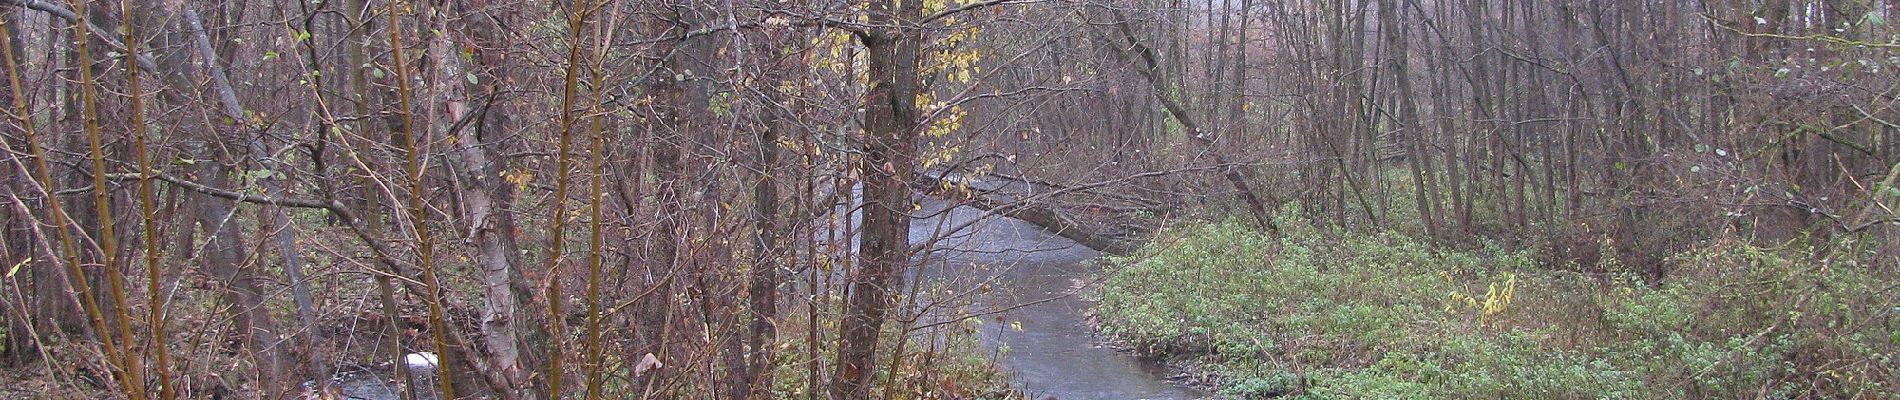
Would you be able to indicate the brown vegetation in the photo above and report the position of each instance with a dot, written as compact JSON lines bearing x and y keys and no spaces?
{"x":239,"y":196}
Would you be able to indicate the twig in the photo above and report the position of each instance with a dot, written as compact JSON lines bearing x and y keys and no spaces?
{"x":104,"y":35}
{"x":1830,"y":39}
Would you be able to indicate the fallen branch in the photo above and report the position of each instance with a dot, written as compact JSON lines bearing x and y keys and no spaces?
{"x":1051,"y":220}
{"x":1027,"y":208}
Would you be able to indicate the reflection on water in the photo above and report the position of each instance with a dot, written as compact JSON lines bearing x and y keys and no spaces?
{"x":1054,"y":352}
{"x":364,"y":384}
{"x":1050,"y":349}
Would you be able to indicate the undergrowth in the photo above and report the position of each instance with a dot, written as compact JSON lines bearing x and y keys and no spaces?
{"x":946,"y":363}
{"x":1318,"y":315}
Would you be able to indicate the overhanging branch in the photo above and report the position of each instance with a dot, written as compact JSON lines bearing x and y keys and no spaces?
{"x":144,"y":62}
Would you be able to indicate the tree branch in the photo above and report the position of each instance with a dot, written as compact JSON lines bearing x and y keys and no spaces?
{"x":382,"y":250}
{"x":231,"y":194}
{"x":968,"y":7}
{"x":104,"y":35}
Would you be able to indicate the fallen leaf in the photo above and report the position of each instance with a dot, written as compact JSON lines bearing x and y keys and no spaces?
{"x":647,"y":362}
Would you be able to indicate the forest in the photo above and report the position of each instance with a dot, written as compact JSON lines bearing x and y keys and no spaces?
{"x":764,"y":199}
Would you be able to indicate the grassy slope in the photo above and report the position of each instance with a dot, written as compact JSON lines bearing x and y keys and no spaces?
{"x":1385,"y":316}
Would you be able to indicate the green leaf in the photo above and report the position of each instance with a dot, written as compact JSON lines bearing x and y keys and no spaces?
{"x":301,"y":36}
{"x":376,"y":72}
{"x":16,"y":267}
{"x":269,"y":55}
{"x":472,"y":80}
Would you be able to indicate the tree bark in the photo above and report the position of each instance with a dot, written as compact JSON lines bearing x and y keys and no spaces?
{"x":769,"y":242}
{"x":888,"y":161}
{"x":1049,"y":218}
{"x":225,"y":258}
{"x":1412,"y":131}
{"x":664,"y":131}
{"x":480,"y":119}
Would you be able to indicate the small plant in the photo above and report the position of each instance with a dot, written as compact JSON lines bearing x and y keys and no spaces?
{"x":1387,"y":316}
{"x":1497,"y":297}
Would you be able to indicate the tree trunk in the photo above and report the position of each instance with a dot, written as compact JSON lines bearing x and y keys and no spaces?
{"x":509,"y":334}
{"x":225,"y":259}
{"x":888,"y":161}
{"x":769,"y":242}
{"x":1412,"y":132}
{"x":16,"y":249}
{"x":20,"y":234}
{"x":653,"y":321}
{"x":1150,"y":69}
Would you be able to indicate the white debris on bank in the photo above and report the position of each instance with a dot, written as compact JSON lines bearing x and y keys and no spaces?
{"x":423,"y":361}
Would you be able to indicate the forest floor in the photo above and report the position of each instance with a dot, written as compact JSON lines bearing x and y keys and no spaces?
{"x":1323,"y":315}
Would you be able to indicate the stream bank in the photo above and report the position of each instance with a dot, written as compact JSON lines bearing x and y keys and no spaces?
{"x":1044,"y":337}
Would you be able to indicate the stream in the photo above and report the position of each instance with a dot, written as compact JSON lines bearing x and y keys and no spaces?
{"x":1047,"y":345}
{"x":1055,"y":353}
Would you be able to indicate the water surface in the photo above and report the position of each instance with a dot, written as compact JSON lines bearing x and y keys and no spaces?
{"x":1055,"y":352}
{"x":1035,"y":275}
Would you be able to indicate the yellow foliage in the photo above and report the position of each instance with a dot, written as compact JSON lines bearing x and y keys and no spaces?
{"x":939,"y":156}
{"x":1497,"y":299}
{"x":518,"y":177}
